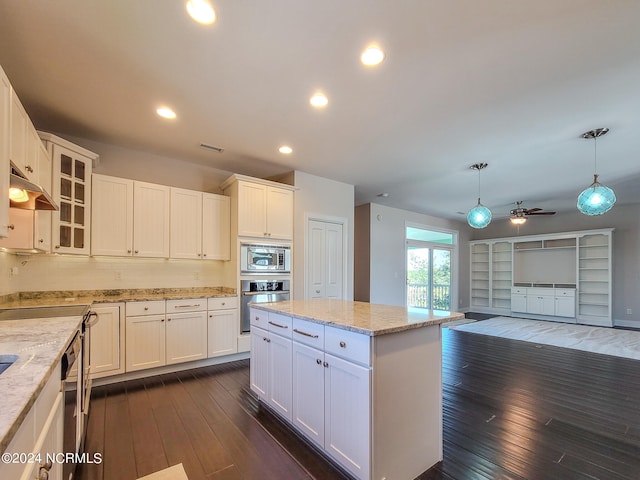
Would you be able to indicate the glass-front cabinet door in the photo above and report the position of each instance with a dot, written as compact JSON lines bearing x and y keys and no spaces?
{"x":72,"y":193}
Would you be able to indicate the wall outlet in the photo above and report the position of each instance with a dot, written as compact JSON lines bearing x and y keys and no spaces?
{"x":628,"y":311}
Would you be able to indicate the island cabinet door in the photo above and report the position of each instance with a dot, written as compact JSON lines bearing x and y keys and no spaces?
{"x":308,"y":392}
{"x":347,"y":414}
{"x":280,"y":390}
{"x":259,"y":371}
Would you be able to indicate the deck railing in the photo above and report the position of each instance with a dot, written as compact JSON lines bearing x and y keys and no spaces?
{"x":418,"y":296}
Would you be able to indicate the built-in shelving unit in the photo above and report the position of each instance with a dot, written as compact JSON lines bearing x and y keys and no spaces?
{"x":573,"y":269}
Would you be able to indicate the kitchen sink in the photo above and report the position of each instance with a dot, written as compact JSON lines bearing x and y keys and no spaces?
{"x":6,"y":361}
{"x":43,"y":312}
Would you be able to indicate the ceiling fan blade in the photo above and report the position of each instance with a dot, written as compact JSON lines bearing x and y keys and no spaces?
{"x":529,"y":210}
{"x":541,"y":213}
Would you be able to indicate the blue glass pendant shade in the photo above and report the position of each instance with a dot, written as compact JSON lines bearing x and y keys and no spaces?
{"x":479,"y":216}
{"x":596,"y":199}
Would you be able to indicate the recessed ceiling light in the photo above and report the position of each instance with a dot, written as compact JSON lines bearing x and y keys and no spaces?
{"x":372,"y":55}
{"x":166,"y":112}
{"x":319,"y":100}
{"x":201,"y":11}
{"x":285,"y":149}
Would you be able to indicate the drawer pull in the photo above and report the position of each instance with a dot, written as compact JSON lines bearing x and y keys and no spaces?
{"x":325,"y":365}
{"x":278,"y":325}
{"x":305,"y":333}
{"x":343,"y":345}
{"x":318,"y":361}
{"x":187,"y":306}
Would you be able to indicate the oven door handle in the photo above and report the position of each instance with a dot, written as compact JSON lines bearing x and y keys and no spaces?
{"x":88,"y":322}
{"x":266,"y":292}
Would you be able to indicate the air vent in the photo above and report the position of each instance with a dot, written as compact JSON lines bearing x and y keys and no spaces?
{"x":212,"y":147}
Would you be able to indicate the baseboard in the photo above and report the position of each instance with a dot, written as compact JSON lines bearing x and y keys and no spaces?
{"x":617,"y":322}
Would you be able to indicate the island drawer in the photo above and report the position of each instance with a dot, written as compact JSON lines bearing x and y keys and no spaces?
{"x":222,"y":303}
{"x":308,"y":333}
{"x":145,"y":307}
{"x":348,"y":345}
{"x":280,"y":324}
{"x":187,"y":305}
{"x":259,"y":318}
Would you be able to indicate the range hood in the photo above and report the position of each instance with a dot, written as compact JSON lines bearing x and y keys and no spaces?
{"x":28,"y":195}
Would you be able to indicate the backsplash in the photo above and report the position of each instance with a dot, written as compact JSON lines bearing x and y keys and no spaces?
{"x":68,"y":272}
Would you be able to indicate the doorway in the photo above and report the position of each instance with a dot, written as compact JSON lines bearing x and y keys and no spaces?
{"x":429,"y":272}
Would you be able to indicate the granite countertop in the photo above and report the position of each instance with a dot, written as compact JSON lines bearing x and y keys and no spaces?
{"x":82,"y":297}
{"x":367,"y":318}
{"x":39,"y":345}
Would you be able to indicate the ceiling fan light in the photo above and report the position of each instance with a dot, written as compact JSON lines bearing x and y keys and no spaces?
{"x":596,"y":199}
{"x":479,"y":216}
{"x":518,"y":220}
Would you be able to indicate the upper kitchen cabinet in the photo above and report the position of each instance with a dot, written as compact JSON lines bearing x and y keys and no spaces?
{"x":111,"y":216}
{"x":151,"y":227}
{"x":260,"y":208}
{"x":72,"y":166}
{"x":5,"y":108}
{"x":199,"y":225}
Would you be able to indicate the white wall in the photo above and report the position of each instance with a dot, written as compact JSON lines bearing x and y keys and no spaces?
{"x":626,"y":249}
{"x":387,"y":253}
{"x":320,"y":197}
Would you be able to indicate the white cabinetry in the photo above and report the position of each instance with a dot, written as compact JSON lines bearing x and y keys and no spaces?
{"x":324,"y":260}
{"x":565,"y":302}
{"x":5,"y":112}
{"x":19,"y":128}
{"x":71,"y":190}
{"x":155,"y":338}
{"x":594,"y":278}
{"x":491,"y":275}
{"x":549,"y":302}
{"x":260,"y":208}
{"x":151,"y":220}
{"x":199,"y":225}
{"x":223,"y":326}
{"x":107,"y":340}
{"x":111,"y":216}
{"x":271,"y":353}
{"x":41,"y":433}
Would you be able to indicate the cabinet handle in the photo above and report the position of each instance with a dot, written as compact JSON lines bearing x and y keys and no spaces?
{"x":199,"y":254}
{"x":195,"y":305}
{"x":325,"y":364}
{"x":29,"y":168}
{"x":57,"y":246}
{"x":135,"y":251}
{"x":204,"y":254}
{"x":223,"y":304}
{"x":129,"y":251}
{"x":162,"y":319}
{"x":13,"y":227}
{"x":318,"y":361}
{"x":43,"y":474}
{"x":343,"y":345}
{"x":146,"y":308}
{"x":305,"y":333}
{"x":168,"y":319}
{"x":278,"y":325}
{"x":41,"y":240}
{"x":317,"y":291}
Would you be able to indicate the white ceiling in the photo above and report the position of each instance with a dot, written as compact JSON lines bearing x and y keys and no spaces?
{"x":510,"y":83}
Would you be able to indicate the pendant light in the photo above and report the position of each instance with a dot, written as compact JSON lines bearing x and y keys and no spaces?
{"x":479,"y":216}
{"x":596,"y":199}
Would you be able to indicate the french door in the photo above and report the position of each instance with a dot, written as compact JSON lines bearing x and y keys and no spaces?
{"x":428,"y":277}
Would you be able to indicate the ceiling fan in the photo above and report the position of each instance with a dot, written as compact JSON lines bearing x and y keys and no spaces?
{"x":518,"y":215}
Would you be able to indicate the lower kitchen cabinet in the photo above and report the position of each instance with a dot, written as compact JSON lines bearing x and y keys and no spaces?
{"x":107,"y":340}
{"x":161,"y":334}
{"x":550,"y":302}
{"x":271,"y":353}
{"x":222,"y":326}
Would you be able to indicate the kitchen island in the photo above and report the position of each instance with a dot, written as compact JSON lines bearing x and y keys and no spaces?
{"x":362,"y":382}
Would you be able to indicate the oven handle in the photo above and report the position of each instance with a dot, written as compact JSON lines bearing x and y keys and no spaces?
{"x":266,"y":292}
{"x":88,"y":322}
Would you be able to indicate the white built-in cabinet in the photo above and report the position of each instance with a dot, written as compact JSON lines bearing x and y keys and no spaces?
{"x":491,"y":275}
{"x":40,"y":434}
{"x":107,"y":339}
{"x":260,"y":208}
{"x":199,"y":225}
{"x":5,"y":112}
{"x":324,"y":259}
{"x":156,"y":337}
{"x":151,"y":216}
{"x":564,"y":277}
{"x":222,"y":326}
{"x":132,"y":218}
{"x":319,"y":379}
{"x":71,"y":191}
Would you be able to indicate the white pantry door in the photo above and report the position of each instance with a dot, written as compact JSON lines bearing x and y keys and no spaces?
{"x":325,"y":261}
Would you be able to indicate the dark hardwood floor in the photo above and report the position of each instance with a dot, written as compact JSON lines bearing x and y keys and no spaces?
{"x":512,"y":410}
